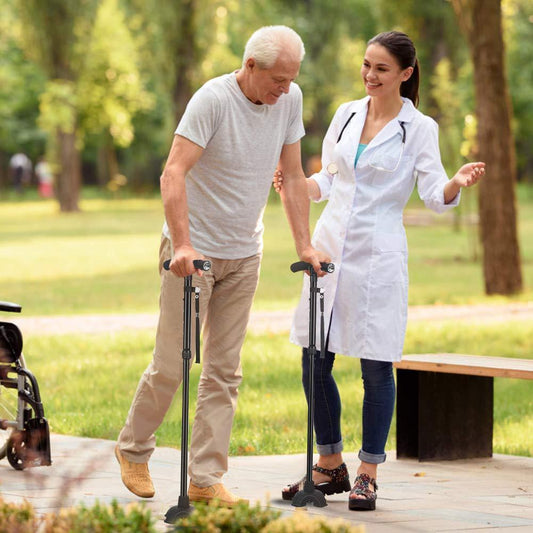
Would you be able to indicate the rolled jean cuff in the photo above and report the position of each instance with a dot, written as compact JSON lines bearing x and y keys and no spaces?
{"x":372,"y":458}
{"x":330,"y":449}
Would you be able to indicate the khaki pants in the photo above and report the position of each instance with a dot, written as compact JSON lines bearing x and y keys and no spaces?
{"x":227,"y":291}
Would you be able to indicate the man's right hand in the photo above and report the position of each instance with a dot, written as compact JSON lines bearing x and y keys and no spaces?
{"x":182,"y":263}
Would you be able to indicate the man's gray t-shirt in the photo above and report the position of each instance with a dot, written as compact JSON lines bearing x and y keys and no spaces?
{"x":227,"y":189}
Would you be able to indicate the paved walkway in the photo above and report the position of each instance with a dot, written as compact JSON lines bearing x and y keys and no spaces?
{"x":262,"y":321}
{"x":479,"y":495}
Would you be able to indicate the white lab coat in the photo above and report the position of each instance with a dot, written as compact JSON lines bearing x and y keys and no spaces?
{"x":361,"y":228}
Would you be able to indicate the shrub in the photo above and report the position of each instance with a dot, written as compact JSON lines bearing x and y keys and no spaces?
{"x":247,"y":519}
{"x":100,"y":518}
{"x":135,"y":518}
{"x":300,"y":522}
{"x":17,"y":517}
{"x":212,"y":518}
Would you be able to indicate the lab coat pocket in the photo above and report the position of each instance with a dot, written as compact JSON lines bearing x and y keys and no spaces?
{"x":387,"y":310}
{"x":387,"y":169}
{"x":389,"y":258}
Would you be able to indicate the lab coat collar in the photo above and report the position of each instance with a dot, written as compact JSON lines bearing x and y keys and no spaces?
{"x":360,"y":107}
{"x":406,"y":114}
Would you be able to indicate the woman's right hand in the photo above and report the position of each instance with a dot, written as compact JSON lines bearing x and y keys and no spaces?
{"x":313,"y":191}
{"x":277,"y":181}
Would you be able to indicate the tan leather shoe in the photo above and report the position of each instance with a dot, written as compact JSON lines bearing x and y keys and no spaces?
{"x":214,"y":492}
{"x":135,"y":476}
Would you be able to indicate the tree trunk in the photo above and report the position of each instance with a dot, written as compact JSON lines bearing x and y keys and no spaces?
{"x":108,"y":166}
{"x":482,"y":20}
{"x":68,"y":181}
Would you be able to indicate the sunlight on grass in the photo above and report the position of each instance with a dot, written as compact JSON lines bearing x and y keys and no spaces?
{"x":87,"y":257}
{"x":509,"y":436}
{"x":104,"y":258}
{"x":503,"y":339}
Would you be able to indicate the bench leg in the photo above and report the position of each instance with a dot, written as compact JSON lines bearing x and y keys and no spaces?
{"x":443,"y":416}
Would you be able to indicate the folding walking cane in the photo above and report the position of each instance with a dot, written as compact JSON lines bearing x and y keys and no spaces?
{"x":310,"y":494}
{"x":184,"y":509}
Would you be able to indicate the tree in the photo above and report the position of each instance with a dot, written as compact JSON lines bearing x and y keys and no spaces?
{"x":180,"y":35}
{"x":481,"y":21}
{"x":53,"y":32}
{"x":109,"y":89}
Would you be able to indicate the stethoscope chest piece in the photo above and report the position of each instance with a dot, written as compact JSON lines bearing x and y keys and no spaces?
{"x":332,"y":168}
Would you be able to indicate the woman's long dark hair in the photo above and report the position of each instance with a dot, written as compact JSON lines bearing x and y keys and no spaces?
{"x":402,"y":48}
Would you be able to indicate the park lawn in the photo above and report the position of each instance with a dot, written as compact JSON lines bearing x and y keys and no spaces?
{"x":87,"y":383}
{"x":104,"y":258}
{"x":100,"y":260}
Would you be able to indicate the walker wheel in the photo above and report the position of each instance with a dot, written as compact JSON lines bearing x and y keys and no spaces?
{"x":16,"y":450}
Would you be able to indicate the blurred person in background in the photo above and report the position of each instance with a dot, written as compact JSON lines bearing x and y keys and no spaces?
{"x":21,"y":167}
{"x":45,"y":179}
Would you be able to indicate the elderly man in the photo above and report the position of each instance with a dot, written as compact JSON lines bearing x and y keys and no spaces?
{"x":214,"y":189}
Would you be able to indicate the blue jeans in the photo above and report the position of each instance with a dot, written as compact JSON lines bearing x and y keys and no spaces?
{"x":378,"y":406}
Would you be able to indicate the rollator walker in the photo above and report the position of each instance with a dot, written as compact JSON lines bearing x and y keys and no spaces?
{"x":24,"y":431}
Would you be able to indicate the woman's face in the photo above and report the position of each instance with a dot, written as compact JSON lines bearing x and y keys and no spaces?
{"x":381,"y":73}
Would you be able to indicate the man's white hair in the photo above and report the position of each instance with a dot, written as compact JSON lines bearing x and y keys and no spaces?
{"x":266,"y":44}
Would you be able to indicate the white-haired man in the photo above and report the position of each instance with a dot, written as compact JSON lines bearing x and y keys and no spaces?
{"x":214,"y":188}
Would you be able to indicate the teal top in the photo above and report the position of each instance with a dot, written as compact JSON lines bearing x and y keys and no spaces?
{"x":360,"y":150}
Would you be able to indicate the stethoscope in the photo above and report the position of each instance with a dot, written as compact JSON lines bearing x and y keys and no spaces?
{"x":332,"y":167}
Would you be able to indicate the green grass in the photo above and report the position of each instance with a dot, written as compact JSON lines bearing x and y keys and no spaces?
{"x":87,"y":383}
{"x":104,"y":259}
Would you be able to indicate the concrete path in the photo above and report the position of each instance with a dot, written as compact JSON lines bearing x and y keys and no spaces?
{"x":480,"y":495}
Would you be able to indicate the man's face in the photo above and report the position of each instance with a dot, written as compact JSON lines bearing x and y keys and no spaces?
{"x":267,"y":85}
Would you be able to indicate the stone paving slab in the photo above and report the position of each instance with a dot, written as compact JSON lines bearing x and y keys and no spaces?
{"x":478,"y":495}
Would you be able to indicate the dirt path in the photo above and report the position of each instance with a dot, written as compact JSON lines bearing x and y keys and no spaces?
{"x":263,"y":321}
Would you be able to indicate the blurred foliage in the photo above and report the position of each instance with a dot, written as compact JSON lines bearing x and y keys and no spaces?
{"x":20,"y":86}
{"x":132,"y":64}
{"x":108,"y":102}
{"x":518,"y":25}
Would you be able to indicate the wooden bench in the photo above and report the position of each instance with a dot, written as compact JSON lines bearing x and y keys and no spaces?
{"x":444,"y":407}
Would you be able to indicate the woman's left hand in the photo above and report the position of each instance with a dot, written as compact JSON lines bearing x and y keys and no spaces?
{"x":469,"y":174}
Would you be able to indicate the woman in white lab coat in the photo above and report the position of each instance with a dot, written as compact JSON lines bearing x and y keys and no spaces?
{"x":374,"y":153}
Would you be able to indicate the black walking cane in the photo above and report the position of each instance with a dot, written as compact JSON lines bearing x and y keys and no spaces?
{"x":309,"y":494}
{"x":184,"y":509}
